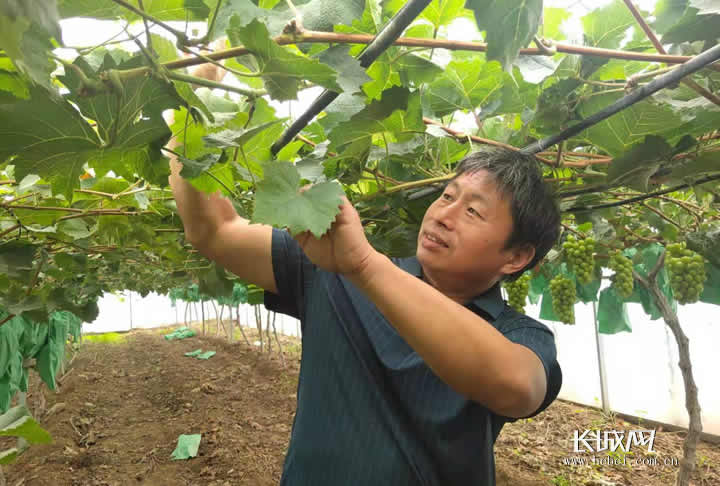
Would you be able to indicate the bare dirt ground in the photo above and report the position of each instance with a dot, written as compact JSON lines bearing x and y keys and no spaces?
{"x":117,"y":414}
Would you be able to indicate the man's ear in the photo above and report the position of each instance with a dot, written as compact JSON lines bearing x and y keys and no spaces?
{"x":519,"y":257}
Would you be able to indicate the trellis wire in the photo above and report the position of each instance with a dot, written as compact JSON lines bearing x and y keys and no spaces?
{"x":382,"y":41}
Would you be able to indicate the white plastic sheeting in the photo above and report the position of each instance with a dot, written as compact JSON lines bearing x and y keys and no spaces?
{"x":641,"y":371}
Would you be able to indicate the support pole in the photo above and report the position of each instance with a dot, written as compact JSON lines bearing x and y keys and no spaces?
{"x":601,"y":362}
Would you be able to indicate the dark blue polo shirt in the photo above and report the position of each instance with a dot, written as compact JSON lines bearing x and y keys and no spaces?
{"x":369,"y":410}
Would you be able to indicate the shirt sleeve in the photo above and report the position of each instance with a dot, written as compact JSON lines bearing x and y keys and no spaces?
{"x":293,"y":273}
{"x":541,"y":341}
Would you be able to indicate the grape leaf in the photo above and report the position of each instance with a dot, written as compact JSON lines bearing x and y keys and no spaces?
{"x":622,"y":130}
{"x":465,"y":85}
{"x":693,"y":27}
{"x":510,"y":25}
{"x":350,"y":74}
{"x":706,"y":6}
{"x":280,"y":68}
{"x":606,"y":26}
{"x":667,"y":14}
{"x":372,"y":119}
{"x":25,"y":32}
{"x":318,"y":15}
{"x":161,"y":9}
{"x":12,"y":86}
{"x":278,"y":201}
{"x":17,"y":422}
{"x":442,"y":12}
{"x":635,"y":167}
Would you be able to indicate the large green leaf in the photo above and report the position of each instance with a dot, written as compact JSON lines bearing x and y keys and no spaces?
{"x":17,"y":422}
{"x":607,"y":26}
{"x":318,"y":15}
{"x":280,"y":203}
{"x":706,"y":6}
{"x":510,"y":25}
{"x":350,"y":74}
{"x":694,"y":27}
{"x":618,"y":133}
{"x":442,"y":12}
{"x":16,"y":258}
{"x":26,"y":29}
{"x":280,"y":68}
{"x":161,"y":9}
{"x":465,"y":85}
{"x":667,"y":14}
{"x":372,"y":119}
{"x":635,"y":167}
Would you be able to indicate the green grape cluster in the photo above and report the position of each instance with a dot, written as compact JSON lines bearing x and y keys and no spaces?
{"x":687,"y":273}
{"x":623,"y":278}
{"x":580,"y":257}
{"x":518,"y":291}
{"x":562,"y":290}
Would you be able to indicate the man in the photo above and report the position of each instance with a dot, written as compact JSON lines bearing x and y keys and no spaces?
{"x":410,"y":367}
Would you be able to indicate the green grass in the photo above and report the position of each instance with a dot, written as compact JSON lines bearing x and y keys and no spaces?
{"x":108,"y":337}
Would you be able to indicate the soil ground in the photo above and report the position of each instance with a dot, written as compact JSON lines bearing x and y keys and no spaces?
{"x":122,"y":404}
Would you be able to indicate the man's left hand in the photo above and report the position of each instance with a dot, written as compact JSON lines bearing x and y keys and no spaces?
{"x":344,"y":248}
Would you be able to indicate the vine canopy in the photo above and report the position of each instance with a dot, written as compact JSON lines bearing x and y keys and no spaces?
{"x":85,"y":205}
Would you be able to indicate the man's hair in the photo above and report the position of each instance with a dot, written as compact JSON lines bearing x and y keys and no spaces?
{"x":535,"y":213}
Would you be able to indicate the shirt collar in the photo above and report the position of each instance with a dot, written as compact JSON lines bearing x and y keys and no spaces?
{"x":491,"y":301}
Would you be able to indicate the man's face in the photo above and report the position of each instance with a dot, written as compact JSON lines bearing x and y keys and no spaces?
{"x":463,"y":234}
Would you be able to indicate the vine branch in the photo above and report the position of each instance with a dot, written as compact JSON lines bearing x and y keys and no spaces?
{"x":631,"y":200}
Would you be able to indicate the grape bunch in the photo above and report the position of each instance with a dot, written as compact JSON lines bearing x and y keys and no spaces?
{"x":518,"y":291}
{"x":687,"y":273}
{"x":623,"y":278}
{"x":580,"y":257}
{"x":562,"y":290}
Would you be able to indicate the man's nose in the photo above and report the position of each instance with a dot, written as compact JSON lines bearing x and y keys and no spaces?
{"x":447,"y":215}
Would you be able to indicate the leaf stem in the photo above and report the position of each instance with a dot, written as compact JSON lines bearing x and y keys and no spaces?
{"x":250,"y":93}
{"x":180,"y":35}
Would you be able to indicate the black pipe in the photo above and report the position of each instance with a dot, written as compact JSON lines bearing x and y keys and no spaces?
{"x":379,"y":44}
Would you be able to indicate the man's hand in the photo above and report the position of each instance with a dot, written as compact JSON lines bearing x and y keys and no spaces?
{"x":344,"y":248}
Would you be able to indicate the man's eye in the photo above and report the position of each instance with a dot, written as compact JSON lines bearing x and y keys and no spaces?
{"x":447,"y":196}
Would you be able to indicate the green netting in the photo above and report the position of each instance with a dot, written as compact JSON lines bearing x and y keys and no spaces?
{"x":711,"y":292}
{"x":187,"y":447}
{"x":11,"y":360}
{"x":181,"y":333}
{"x":206,"y":355}
{"x":612,"y":314}
{"x":192,"y":354}
{"x":588,"y":292}
{"x":537,"y":286}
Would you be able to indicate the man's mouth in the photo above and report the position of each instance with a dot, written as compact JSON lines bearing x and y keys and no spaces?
{"x":435,"y":239}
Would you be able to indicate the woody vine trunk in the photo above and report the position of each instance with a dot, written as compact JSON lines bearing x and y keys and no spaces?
{"x":687,"y":463}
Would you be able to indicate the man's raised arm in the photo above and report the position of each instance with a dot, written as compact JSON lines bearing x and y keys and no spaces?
{"x":213,"y":227}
